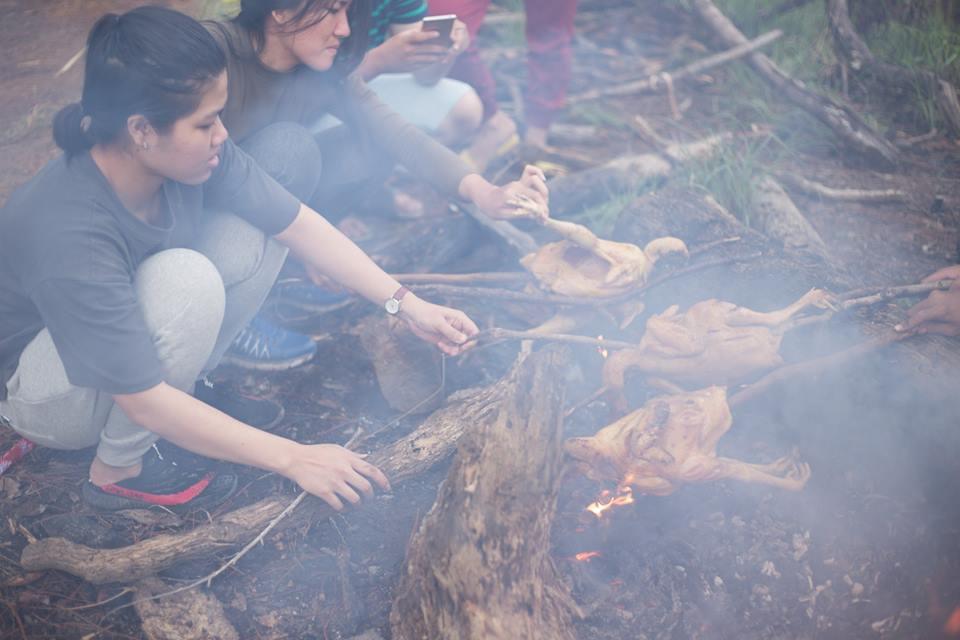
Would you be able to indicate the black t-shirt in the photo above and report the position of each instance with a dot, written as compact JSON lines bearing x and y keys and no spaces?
{"x":69,"y":250}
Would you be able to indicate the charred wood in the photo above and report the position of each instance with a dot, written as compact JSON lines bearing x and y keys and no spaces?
{"x":478,"y":567}
{"x":184,"y":616}
{"x":431,"y":443}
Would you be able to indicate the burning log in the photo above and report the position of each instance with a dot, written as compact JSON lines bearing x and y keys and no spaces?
{"x":479,"y":565}
{"x":843,"y":121}
{"x":672,"y":440}
{"x":851,"y":48}
{"x":431,"y":443}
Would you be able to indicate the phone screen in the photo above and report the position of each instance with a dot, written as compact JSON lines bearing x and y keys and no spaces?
{"x":443,"y":25}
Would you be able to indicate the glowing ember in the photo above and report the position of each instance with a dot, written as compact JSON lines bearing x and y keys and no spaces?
{"x":603,"y":352}
{"x":952,"y":626}
{"x":606,"y":502}
{"x":586,"y":556}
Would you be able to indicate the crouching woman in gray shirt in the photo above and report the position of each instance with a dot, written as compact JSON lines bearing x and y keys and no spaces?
{"x":123,"y":278}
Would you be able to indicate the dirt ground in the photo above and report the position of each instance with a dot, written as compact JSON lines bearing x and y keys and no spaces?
{"x":868,"y":550}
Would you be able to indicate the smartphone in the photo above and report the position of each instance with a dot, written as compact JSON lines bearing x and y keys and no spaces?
{"x":443,"y":25}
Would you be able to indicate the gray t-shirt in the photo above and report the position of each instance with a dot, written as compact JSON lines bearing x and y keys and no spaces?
{"x":69,"y":250}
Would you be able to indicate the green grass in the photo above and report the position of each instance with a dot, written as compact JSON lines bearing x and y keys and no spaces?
{"x":728,"y":174}
{"x":930,"y":45}
{"x":602,"y":218}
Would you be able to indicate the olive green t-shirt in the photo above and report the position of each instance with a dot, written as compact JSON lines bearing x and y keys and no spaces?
{"x":259,"y":96}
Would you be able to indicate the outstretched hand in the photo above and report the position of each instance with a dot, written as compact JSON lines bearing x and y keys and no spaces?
{"x":527,"y":197}
{"x":449,"y":329}
{"x":940,"y":311}
{"x":334,"y":474}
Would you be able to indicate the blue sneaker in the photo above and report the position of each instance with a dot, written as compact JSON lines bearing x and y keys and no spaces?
{"x":264,"y":346}
{"x":307,"y":296}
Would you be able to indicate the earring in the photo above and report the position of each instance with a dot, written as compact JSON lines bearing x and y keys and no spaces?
{"x":146,"y":147}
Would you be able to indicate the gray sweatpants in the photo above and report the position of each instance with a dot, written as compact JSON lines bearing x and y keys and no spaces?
{"x":194,"y":301}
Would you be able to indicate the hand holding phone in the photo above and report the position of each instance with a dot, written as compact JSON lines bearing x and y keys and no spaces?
{"x":443,"y":25}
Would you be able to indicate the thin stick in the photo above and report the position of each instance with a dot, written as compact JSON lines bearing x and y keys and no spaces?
{"x":453,"y":291}
{"x":710,"y":246}
{"x":873,"y":295}
{"x":208,"y":579}
{"x":810,"y":187}
{"x":509,"y":334}
{"x":454,"y":278}
{"x":596,"y":395}
{"x":501,"y":294}
{"x":816,"y":365}
{"x":232,"y":561}
{"x":72,"y":61}
{"x":654,"y":82}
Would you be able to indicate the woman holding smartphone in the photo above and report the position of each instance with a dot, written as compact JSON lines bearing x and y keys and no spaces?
{"x":292,"y":61}
{"x":128,"y":265}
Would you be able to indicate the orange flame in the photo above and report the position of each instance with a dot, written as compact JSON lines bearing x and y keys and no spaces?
{"x":952,"y":626}
{"x":606,"y":502}
{"x":603,"y":352}
{"x":586,"y":556}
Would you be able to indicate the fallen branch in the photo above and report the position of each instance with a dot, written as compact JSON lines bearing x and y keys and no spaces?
{"x":810,"y":187}
{"x":812,"y":367}
{"x":873,"y":295}
{"x":849,"y":127}
{"x":432,"y":442}
{"x":665,"y":78}
{"x":853,"y":49}
{"x":780,"y":219}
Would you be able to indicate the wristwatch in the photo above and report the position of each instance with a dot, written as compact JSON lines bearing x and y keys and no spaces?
{"x":392,"y":305}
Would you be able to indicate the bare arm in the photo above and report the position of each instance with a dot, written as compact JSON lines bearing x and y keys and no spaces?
{"x":327,"y":471}
{"x":313,"y":240}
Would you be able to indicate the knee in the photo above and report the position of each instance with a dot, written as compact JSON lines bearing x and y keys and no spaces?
{"x":237,"y":249}
{"x":289,"y":154}
{"x":463,"y":121}
{"x":181,"y":288}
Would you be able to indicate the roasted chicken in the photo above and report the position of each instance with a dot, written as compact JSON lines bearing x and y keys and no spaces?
{"x":586,"y":266}
{"x":672,"y":440}
{"x":713,"y":342}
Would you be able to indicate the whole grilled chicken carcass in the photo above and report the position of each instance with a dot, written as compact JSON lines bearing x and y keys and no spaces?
{"x":713,"y":342}
{"x":672,"y":440}
{"x":583,"y":265}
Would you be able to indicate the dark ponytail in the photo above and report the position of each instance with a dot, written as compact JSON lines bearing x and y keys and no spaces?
{"x":68,"y":130}
{"x":151,"y":61}
{"x":254,"y":13}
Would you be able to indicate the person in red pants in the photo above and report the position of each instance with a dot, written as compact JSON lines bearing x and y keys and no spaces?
{"x":549,"y":30}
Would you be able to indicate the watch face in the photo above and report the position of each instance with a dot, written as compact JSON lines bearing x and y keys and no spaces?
{"x":392,"y":305}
